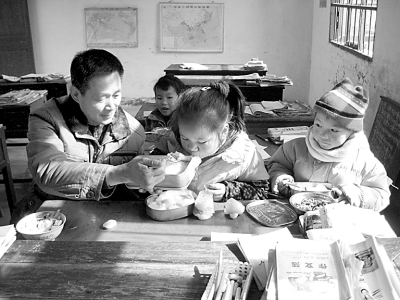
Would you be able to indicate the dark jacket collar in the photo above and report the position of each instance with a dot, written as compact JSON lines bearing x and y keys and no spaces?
{"x":78,"y":123}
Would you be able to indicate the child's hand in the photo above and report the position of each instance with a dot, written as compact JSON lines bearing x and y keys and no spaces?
{"x":280,"y":185}
{"x":349,"y":193}
{"x":217,"y":189}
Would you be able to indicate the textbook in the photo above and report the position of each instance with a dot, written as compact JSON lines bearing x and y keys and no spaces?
{"x":257,"y":109}
{"x":312,"y":270}
{"x":378,"y":279}
{"x":263,"y":107}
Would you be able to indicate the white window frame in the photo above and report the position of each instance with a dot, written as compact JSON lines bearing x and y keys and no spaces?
{"x":353,"y":26}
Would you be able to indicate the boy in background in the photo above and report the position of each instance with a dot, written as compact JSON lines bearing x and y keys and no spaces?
{"x":166,"y":92}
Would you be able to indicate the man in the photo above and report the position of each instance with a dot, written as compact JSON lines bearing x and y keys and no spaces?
{"x":81,"y":145}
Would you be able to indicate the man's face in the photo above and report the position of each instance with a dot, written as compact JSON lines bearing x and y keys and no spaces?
{"x":101,"y":99}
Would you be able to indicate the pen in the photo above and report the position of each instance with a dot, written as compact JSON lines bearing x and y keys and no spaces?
{"x":259,"y":136}
{"x":228,"y":290}
{"x":211,"y":293}
{"x":219,"y":274}
{"x":222,"y":286}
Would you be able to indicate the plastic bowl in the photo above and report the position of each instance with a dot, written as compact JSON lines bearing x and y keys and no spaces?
{"x":299,"y":201}
{"x":25,"y":227}
{"x":316,"y":187}
{"x":169,"y":214}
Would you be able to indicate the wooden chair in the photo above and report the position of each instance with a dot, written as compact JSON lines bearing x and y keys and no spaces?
{"x":5,"y":169}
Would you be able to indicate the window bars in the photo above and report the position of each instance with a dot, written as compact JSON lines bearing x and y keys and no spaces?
{"x":352,"y":25}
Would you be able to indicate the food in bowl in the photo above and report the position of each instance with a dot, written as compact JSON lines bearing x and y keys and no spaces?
{"x":45,"y":225}
{"x":309,"y":201}
{"x":170,"y":205}
{"x":171,"y":199}
{"x":310,"y":204}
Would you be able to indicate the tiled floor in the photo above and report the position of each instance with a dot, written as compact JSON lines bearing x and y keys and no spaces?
{"x":19,"y":170}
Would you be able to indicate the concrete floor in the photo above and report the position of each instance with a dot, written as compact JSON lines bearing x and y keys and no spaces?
{"x":18,"y":161}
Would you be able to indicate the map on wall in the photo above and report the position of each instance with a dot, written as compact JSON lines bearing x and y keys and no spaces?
{"x":111,"y":27}
{"x":191,"y":27}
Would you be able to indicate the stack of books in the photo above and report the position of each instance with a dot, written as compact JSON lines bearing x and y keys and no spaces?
{"x":255,"y":64}
{"x":7,"y":236}
{"x":273,"y":80}
{"x":295,"y":108}
{"x":22,"y":97}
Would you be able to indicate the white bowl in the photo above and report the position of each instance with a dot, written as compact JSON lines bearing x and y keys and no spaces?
{"x":26,"y":226}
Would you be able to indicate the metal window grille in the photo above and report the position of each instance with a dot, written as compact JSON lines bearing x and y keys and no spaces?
{"x":352,"y":25}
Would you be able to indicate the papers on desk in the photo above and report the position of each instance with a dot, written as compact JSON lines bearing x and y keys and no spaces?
{"x":7,"y":237}
{"x":25,"y":97}
{"x":256,"y":249}
{"x":264,"y":155}
{"x":272,"y":80}
{"x":263,"y":107}
{"x":36,"y":77}
{"x":193,"y":66}
{"x":227,"y":236}
{"x":204,"y":80}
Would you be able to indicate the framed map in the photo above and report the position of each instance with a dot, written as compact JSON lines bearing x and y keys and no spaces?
{"x":191,"y":27}
{"x":111,"y":27}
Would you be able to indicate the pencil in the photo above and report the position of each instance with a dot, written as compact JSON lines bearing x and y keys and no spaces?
{"x":219,"y":272}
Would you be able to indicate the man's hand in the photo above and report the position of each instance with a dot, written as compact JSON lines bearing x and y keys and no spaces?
{"x":140,"y":172}
{"x":217,"y":189}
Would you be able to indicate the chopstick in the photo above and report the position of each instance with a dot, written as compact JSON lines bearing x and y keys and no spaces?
{"x":291,"y":184}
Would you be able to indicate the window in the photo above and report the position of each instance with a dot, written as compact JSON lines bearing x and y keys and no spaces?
{"x":352,"y":25}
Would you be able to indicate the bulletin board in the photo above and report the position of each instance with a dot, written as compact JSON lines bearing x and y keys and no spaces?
{"x":384,"y":138}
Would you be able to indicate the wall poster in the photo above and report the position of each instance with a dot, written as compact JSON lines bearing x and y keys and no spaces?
{"x":192,"y":27}
{"x":111,"y":27}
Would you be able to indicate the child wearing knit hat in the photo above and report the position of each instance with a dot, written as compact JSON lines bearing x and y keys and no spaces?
{"x":336,"y":151}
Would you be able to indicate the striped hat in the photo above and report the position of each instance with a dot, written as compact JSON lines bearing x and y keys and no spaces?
{"x":345,"y":103}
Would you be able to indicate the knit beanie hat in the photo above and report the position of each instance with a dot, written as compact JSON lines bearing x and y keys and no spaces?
{"x":346,"y":104}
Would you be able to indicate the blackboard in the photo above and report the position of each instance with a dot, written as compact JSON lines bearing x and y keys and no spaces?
{"x":384,"y":138}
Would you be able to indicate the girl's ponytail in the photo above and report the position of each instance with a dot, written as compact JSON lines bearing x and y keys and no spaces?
{"x":236,"y":101}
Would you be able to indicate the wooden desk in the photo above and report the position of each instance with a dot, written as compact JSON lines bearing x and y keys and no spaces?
{"x":55,"y":88}
{"x":16,"y":117}
{"x":111,"y":270}
{"x":85,"y":219}
{"x":120,"y":270}
{"x":252,"y":93}
{"x":254,"y":124}
{"x":213,"y":69}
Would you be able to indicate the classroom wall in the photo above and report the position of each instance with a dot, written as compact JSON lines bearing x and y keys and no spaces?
{"x":329,"y":64}
{"x":276,"y":31}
